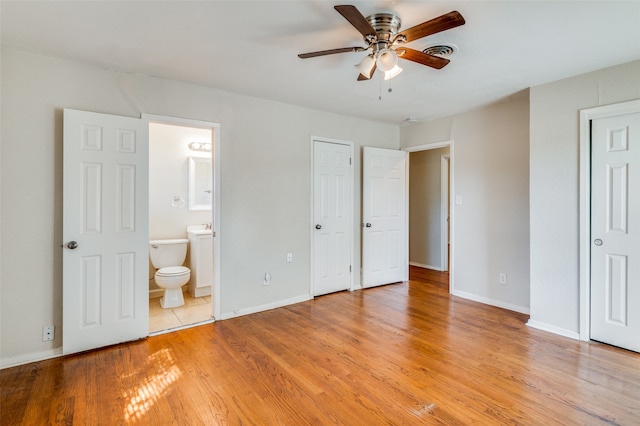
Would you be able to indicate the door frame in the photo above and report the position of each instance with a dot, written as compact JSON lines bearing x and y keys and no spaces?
{"x":444,"y":210}
{"x":434,"y":145}
{"x":586,"y":115}
{"x":312,"y":234}
{"x":215,"y":151}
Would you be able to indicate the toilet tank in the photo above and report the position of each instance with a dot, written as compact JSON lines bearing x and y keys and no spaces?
{"x":165,"y":253}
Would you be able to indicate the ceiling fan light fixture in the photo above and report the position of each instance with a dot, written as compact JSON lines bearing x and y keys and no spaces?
{"x":387,"y":60}
{"x":388,"y":75}
{"x":365,"y":67}
{"x":382,"y":36}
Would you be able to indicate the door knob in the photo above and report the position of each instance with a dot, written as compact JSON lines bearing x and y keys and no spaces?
{"x":368,"y":225}
{"x":318,"y":226}
{"x":597,"y":242}
{"x":72,"y":245}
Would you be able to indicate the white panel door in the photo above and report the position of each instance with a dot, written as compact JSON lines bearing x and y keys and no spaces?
{"x":615,"y":231}
{"x":385,"y":242}
{"x":332,"y":217}
{"x":105,"y":230}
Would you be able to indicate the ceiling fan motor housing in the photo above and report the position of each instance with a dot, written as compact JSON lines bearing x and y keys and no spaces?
{"x":386,"y":25}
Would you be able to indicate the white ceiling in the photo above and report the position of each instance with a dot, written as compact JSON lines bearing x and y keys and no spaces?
{"x":251,"y":47}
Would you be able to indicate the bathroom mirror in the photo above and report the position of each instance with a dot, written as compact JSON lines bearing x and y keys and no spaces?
{"x":200,"y":183}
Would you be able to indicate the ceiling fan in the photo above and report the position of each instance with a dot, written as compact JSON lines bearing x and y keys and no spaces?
{"x":386,"y":44}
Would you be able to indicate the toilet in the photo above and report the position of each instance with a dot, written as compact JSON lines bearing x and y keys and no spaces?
{"x":167,"y":256}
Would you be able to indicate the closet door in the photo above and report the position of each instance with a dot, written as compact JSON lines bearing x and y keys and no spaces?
{"x":615,"y":221}
{"x":332,"y":217}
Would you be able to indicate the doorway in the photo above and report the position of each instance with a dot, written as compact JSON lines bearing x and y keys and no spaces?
{"x":184,"y":197}
{"x":430,"y":210}
{"x":106,"y":227}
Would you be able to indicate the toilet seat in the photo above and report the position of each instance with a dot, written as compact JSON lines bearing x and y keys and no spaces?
{"x":172,"y":271}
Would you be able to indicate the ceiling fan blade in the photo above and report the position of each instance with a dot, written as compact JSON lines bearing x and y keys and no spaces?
{"x":330,"y":52}
{"x":355,"y":18}
{"x":362,"y":77}
{"x":435,"y":25}
{"x":422,"y":58}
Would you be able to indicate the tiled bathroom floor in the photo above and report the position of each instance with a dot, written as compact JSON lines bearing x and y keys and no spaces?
{"x":193,"y":311}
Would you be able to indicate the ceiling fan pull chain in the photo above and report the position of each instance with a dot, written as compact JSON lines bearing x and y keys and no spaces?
{"x":388,"y":88}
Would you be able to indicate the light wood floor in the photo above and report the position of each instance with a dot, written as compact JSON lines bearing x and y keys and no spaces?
{"x":398,"y":354}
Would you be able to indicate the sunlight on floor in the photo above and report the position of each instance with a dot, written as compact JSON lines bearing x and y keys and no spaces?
{"x":142,"y":398}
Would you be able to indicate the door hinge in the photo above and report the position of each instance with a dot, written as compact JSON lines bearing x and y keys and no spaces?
{"x":349,"y":160}
{"x":349,"y":268}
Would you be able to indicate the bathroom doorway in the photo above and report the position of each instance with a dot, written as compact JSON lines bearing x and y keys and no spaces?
{"x":184,"y":200}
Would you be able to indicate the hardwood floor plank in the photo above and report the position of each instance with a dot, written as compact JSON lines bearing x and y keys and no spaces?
{"x":14,"y":392}
{"x":406,"y":353}
{"x":331,"y":378}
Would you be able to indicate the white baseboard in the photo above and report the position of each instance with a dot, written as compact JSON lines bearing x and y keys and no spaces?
{"x":553,"y":329}
{"x":487,"y":301}
{"x":32,"y":357}
{"x":153,"y":294}
{"x":266,"y":307}
{"x":421,"y":265}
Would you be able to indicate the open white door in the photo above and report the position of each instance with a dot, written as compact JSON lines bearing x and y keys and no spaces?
{"x":615,"y":221}
{"x":332,"y":217}
{"x":105,"y":230}
{"x":385,"y":241}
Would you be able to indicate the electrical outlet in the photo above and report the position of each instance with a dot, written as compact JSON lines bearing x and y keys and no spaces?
{"x":289,"y":257}
{"x":48,"y":333}
{"x":502,"y":278}
{"x":267,"y":279}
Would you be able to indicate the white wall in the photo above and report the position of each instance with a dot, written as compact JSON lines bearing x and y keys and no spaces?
{"x":265,"y":184}
{"x":490,"y":160}
{"x":555,"y":188}
{"x":425,"y":239}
